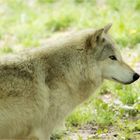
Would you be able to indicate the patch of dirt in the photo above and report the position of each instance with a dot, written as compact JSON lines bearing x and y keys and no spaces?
{"x":91,"y":132}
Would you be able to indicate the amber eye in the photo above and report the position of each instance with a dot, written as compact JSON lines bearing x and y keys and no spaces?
{"x":113,"y":57}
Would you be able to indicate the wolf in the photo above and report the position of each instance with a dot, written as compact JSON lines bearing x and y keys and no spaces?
{"x":41,"y":86}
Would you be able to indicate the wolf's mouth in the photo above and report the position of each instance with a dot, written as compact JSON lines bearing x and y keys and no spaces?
{"x":126,"y":83}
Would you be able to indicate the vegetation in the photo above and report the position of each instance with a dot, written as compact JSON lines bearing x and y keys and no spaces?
{"x":114,"y":110}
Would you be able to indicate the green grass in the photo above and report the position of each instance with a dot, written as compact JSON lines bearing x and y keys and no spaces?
{"x":104,"y":115}
{"x":32,"y":20}
{"x":27,"y":23}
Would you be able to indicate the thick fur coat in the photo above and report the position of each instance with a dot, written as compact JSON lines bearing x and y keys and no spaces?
{"x":40,"y":87}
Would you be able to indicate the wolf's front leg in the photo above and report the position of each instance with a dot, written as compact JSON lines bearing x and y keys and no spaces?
{"x":38,"y":138}
{"x":33,"y":138}
{"x":39,"y":134}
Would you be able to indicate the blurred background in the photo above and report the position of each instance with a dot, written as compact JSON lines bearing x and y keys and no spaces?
{"x":115,"y":114}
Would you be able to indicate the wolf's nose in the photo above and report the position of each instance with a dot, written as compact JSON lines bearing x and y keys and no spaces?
{"x":135,"y":77}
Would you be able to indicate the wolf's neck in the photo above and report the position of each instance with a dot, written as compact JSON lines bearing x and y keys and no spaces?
{"x":69,"y":70}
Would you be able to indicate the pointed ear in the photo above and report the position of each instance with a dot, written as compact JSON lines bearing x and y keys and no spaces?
{"x":107,"y":27}
{"x":93,"y":38}
{"x":97,"y":34}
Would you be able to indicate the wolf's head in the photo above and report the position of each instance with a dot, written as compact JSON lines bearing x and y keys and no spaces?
{"x":109,"y":58}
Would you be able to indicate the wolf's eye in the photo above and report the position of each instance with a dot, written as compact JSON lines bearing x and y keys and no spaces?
{"x":113,"y":57}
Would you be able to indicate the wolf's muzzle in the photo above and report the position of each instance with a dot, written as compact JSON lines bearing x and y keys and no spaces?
{"x":135,"y":76}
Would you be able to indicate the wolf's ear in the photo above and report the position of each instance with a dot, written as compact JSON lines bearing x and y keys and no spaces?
{"x":97,"y":34}
{"x":93,"y":38}
{"x":107,"y":27}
